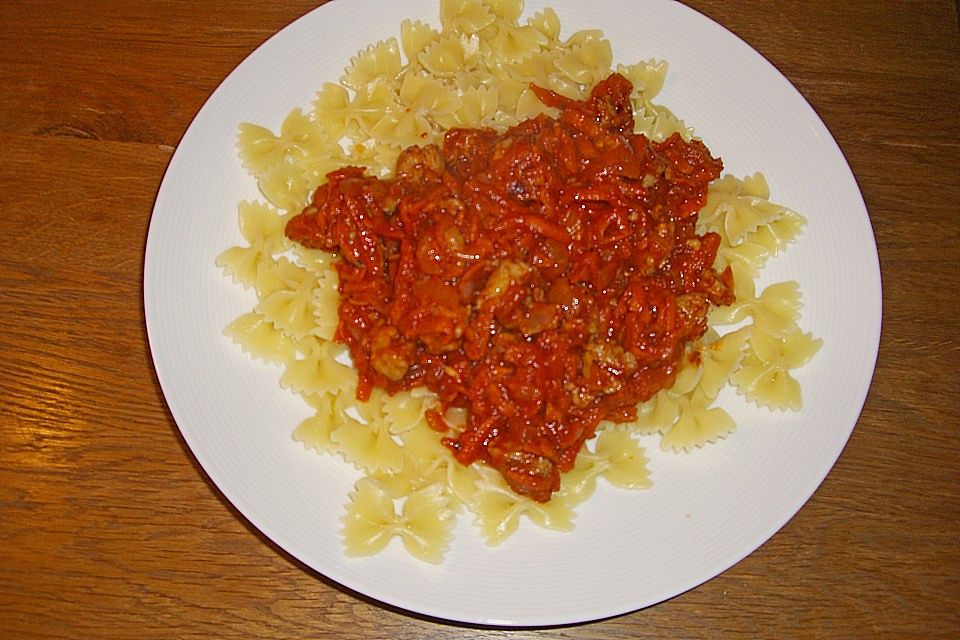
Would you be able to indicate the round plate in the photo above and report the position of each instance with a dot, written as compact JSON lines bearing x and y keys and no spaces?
{"x":707,"y":509}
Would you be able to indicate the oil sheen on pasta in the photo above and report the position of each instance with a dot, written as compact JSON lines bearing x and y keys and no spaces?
{"x":544,"y":278}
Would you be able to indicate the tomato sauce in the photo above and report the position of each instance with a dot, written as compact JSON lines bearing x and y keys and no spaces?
{"x":544,"y":278}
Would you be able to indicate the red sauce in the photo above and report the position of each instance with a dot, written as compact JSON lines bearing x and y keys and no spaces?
{"x":544,"y":278}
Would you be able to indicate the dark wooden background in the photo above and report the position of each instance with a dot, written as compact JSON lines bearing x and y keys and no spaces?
{"x":108,"y":528}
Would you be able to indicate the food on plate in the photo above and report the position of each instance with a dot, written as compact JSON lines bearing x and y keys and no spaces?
{"x":543,"y":279}
{"x":477,"y":73}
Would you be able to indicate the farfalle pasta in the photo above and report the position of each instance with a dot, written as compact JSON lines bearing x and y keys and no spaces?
{"x":764,"y":376}
{"x":475,"y":69}
{"x":262,"y":228}
{"x":423,"y":522}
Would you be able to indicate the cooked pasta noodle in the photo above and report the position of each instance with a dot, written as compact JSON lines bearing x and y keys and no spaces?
{"x":475,"y":70}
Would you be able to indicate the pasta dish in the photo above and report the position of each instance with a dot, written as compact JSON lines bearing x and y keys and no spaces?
{"x":544,"y":279}
{"x":496,"y":271}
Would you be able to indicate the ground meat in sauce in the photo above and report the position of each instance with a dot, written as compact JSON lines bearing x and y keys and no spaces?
{"x":544,"y":278}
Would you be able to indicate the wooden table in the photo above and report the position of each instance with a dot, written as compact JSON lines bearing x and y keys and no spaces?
{"x":109,"y":529}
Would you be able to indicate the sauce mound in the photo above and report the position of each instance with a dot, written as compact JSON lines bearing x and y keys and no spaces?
{"x":544,"y":278}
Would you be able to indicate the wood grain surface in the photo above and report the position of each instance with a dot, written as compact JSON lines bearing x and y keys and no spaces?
{"x":109,"y":528}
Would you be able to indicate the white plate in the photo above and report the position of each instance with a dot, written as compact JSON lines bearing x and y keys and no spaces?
{"x":706,"y":511}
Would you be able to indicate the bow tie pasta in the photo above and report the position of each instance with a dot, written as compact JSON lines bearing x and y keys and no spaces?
{"x":475,"y":69}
